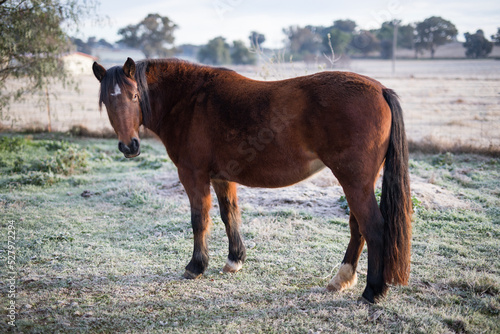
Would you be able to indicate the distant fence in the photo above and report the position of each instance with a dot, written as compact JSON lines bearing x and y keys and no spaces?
{"x":63,"y":110}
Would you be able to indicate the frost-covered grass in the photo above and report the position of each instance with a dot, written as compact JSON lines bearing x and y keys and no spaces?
{"x":112,"y":261}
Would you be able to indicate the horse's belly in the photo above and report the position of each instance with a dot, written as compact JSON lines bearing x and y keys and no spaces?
{"x":277,"y":175}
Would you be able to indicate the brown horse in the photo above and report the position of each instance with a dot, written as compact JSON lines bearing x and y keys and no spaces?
{"x":221,"y":128}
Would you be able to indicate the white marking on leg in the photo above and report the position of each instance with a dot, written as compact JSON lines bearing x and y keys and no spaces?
{"x":117,"y":91}
{"x":232,"y":267}
{"x":346,"y":278}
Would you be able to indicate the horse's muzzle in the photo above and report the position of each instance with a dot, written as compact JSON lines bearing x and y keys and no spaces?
{"x":131,"y":150}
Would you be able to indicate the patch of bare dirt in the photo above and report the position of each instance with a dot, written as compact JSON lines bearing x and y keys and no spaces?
{"x":317,"y":196}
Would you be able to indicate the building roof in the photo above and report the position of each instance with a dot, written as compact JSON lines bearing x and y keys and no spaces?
{"x":81,"y":54}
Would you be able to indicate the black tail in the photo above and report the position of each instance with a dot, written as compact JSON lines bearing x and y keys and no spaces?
{"x":395,"y":202}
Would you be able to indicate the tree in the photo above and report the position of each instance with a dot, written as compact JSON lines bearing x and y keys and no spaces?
{"x":81,"y":46}
{"x":433,"y":32}
{"x":31,"y":43}
{"x":386,"y":35}
{"x":386,"y":49}
{"x":304,"y":43}
{"x":406,"y":36}
{"x":216,"y":52}
{"x":256,"y":39}
{"x":338,"y":37}
{"x":240,"y":54}
{"x":347,"y":26}
{"x":154,"y":36}
{"x":496,"y":38}
{"x":364,"y":42}
{"x":476,"y":45}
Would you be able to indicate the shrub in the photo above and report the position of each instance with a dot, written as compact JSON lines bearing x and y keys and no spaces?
{"x":40,"y":162}
{"x":42,"y":179}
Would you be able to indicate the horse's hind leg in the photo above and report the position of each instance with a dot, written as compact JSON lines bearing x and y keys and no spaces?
{"x":230,"y":213}
{"x":364,"y":207}
{"x":346,"y":276}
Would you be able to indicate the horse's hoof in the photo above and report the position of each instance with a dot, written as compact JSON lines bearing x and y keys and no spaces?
{"x":333,"y":287}
{"x":363,"y":300}
{"x":190,"y":275}
{"x":346,"y":278}
{"x":232,"y":267}
{"x":374,"y":296}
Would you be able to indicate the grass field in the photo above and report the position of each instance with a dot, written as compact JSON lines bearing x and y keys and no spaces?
{"x":101,"y":243}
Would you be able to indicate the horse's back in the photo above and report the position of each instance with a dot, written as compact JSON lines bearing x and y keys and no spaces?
{"x":273,"y":134}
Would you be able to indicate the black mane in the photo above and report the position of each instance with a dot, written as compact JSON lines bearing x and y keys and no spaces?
{"x":141,"y":68}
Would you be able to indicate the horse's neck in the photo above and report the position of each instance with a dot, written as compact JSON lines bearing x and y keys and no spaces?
{"x":171,"y":83}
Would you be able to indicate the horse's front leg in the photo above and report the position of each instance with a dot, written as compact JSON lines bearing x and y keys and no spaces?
{"x":197,"y":185}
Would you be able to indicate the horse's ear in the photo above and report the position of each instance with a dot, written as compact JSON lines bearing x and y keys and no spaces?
{"x":99,"y":71}
{"x":129,"y":68}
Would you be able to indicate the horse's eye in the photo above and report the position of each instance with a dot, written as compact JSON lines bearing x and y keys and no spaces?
{"x":135,"y":97}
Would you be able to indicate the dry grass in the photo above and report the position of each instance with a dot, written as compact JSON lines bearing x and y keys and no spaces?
{"x":430,"y":146}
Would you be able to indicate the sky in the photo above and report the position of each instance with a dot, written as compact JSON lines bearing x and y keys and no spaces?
{"x":201,"y":20}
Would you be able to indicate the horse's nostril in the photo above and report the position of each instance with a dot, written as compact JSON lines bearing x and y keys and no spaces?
{"x":132,"y":149}
{"x":134,"y":144}
{"x":123,"y":148}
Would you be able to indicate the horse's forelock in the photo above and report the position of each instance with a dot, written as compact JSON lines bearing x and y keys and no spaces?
{"x":114,"y":77}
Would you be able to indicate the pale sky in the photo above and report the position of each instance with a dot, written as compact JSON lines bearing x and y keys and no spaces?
{"x":202,"y":20}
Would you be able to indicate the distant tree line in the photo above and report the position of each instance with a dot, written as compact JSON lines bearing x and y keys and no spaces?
{"x":91,"y":43}
{"x":155,"y":37}
{"x":218,"y":51}
{"x":343,"y":38}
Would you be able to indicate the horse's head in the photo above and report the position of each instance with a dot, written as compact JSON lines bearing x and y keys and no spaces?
{"x":120,"y":95}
